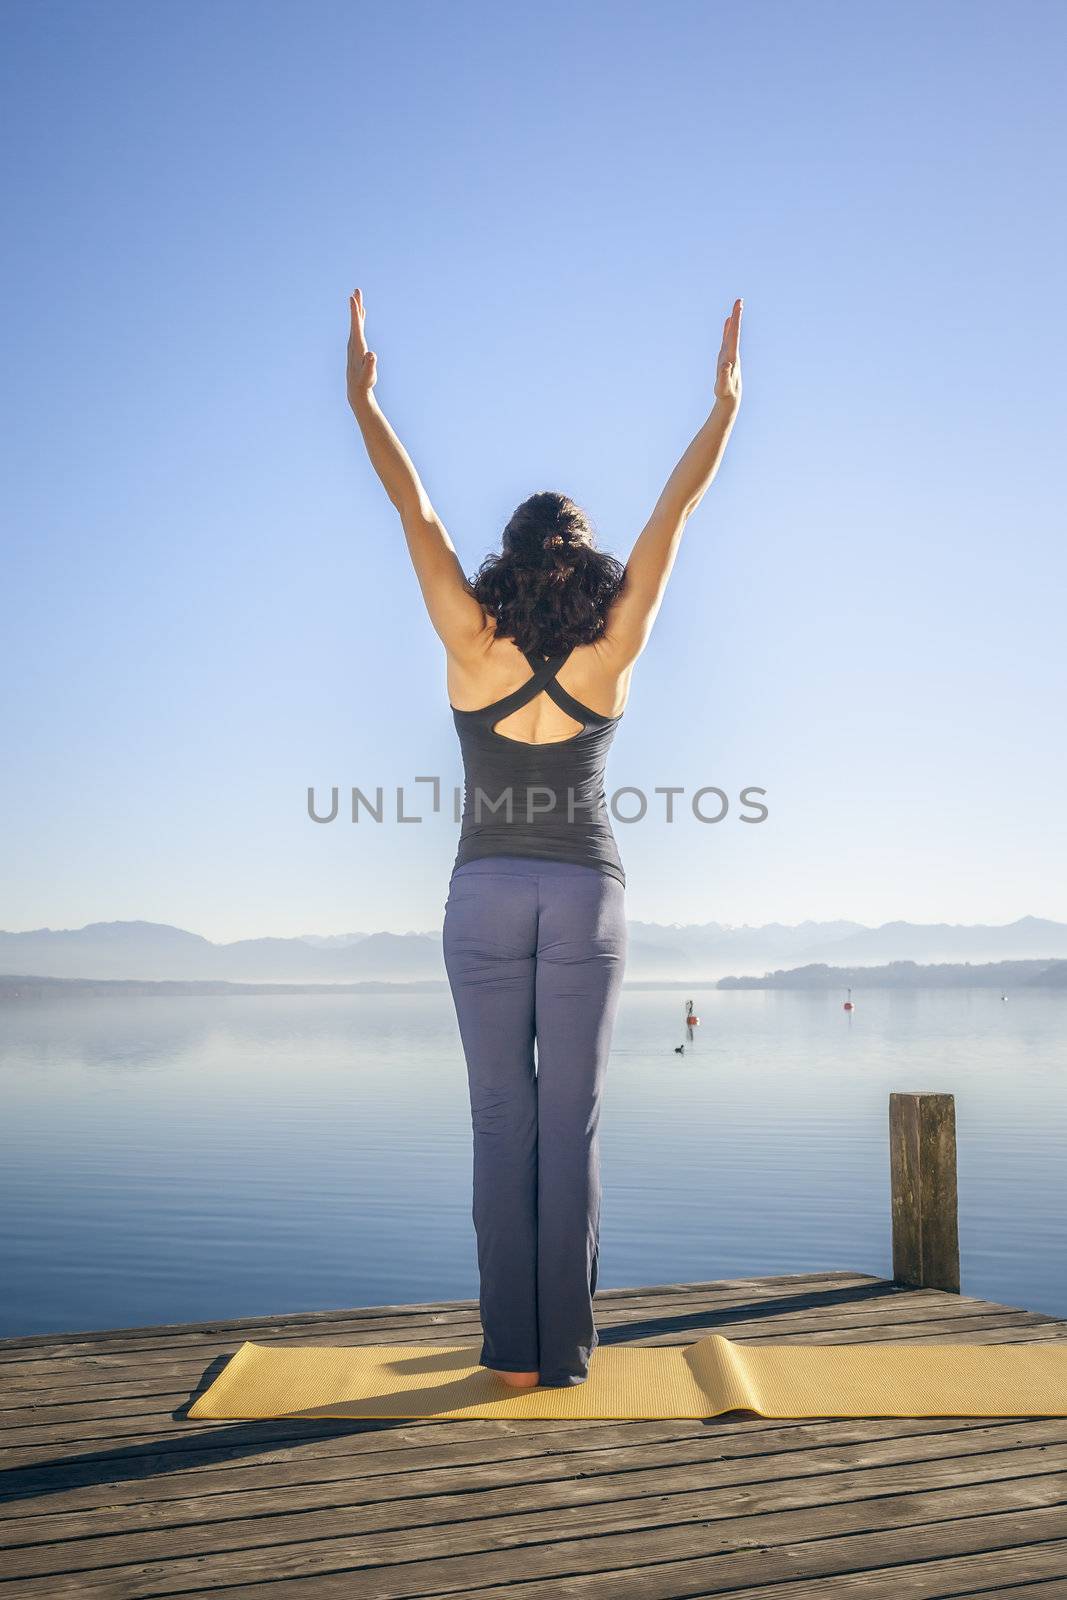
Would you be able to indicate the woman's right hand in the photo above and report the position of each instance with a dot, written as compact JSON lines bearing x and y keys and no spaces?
{"x":728,"y":366}
{"x":362,"y":363}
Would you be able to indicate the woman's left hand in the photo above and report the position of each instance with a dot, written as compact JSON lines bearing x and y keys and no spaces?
{"x":362,"y":363}
{"x":728,"y":367}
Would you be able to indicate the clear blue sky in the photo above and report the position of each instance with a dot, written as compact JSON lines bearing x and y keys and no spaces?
{"x":207,"y":604}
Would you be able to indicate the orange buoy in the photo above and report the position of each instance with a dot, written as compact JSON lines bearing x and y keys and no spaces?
{"x":848,"y":1006}
{"x":691,"y":1019}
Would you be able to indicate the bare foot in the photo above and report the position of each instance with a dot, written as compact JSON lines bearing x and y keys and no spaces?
{"x":521,"y":1380}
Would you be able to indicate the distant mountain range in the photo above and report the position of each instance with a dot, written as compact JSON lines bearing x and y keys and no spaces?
{"x":996,"y":975}
{"x":697,"y":952}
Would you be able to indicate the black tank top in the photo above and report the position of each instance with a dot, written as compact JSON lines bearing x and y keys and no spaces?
{"x":540,"y":800}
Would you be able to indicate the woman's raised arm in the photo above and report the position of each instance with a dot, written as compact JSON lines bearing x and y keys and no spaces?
{"x":454,"y":612}
{"x":629,"y":621}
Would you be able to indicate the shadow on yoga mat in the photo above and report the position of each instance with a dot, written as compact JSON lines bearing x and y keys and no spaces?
{"x":648,"y":1382}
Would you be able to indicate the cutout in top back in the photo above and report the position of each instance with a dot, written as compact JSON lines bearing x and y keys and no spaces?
{"x":539,"y":721}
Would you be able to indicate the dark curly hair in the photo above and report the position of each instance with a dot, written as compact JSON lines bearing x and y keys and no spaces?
{"x":548,"y":587}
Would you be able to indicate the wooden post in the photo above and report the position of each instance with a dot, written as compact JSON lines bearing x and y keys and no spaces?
{"x":922,"y":1160}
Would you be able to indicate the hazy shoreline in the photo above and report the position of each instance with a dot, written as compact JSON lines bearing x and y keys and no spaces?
{"x":1043,"y":973}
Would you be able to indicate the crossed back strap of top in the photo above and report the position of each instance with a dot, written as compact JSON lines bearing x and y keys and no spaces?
{"x":544,"y":678}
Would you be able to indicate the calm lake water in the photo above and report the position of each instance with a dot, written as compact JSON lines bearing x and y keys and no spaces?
{"x":178,"y":1160}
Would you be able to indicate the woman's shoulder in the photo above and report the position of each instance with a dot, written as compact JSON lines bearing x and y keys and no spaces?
{"x":484,"y":670}
{"x":593,"y":674}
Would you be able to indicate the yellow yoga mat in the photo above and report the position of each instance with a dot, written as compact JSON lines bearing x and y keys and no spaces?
{"x":646,"y":1382}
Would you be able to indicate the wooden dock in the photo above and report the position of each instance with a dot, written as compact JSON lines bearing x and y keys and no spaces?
{"x":110,"y":1492}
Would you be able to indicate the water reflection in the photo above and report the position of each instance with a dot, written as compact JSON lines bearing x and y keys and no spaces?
{"x":182,"y":1158}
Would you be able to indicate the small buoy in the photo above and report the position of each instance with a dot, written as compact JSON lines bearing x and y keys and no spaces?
{"x":848,"y":1006}
{"x":692,"y":1021}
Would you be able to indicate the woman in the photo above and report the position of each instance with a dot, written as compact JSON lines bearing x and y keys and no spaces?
{"x":540,"y":647}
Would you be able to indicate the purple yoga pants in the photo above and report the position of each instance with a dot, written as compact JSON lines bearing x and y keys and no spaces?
{"x":535,"y":953}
